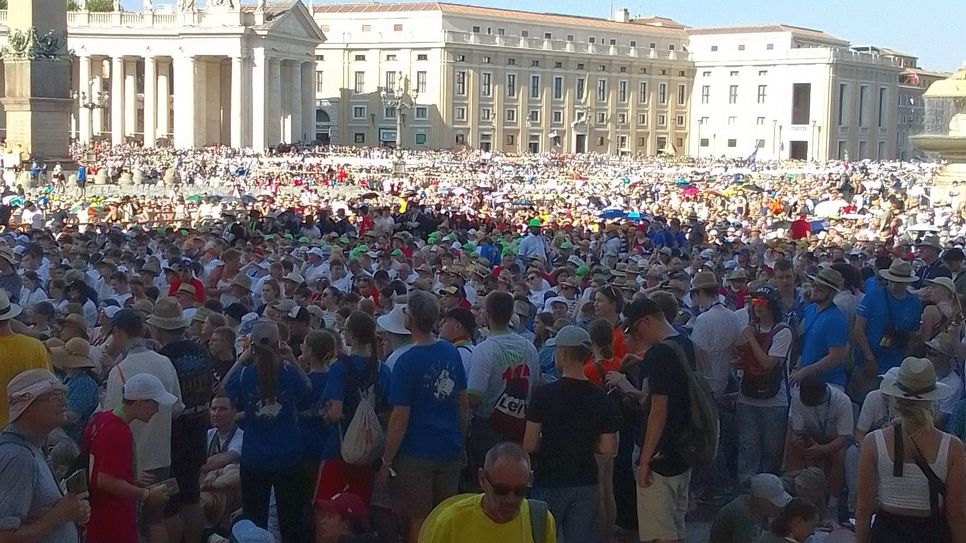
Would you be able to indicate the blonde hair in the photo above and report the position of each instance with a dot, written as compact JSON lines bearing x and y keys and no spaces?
{"x":916,"y":416}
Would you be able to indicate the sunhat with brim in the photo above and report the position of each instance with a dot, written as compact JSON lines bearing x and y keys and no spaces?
{"x":944,"y":282}
{"x":75,"y":354}
{"x":167,"y":314}
{"x":899,"y":271}
{"x":945,"y":343}
{"x":26,"y":387}
{"x":930,"y":240}
{"x":77,"y":322}
{"x":8,"y":310}
{"x":144,"y":386}
{"x":241,"y":280}
{"x":914,"y":379}
{"x":828,"y":278}
{"x":704,"y":280}
{"x":201,"y":315}
{"x":295,"y":278}
{"x":7,"y":254}
{"x":395,"y":321}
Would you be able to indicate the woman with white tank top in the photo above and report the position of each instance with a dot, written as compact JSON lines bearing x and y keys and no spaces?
{"x":912,"y":477}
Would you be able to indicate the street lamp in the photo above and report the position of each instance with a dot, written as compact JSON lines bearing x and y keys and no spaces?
{"x":397,"y":100}
{"x":91,"y":101}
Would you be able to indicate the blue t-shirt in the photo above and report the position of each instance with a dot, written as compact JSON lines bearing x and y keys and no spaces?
{"x":82,"y":398}
{"x":272,"y":438}
{"x":315,"y":431}
{"x":428,"y":379}
{"x":337,"y":388}
{"x":876,"y":307}
{"x":821,"y":331}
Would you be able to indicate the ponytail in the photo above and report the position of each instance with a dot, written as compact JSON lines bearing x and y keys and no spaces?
{"x":362,"y":327}
{"x":266,"y":365}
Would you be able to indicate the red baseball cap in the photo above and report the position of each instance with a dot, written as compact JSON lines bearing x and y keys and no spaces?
{"x":346,"y":505}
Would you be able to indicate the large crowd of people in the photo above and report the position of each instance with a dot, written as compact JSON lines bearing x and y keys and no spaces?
{"x":354,"y":345}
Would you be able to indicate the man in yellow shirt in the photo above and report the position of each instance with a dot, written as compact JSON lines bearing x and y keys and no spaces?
{"x":18,"y":353}
{"x":500,"y":514}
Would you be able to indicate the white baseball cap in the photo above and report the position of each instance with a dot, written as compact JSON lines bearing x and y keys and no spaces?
{"x":769,"y":487}
{"x":145,"y":386}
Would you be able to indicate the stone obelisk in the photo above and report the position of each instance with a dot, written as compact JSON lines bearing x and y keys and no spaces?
{"x":36,"y":65}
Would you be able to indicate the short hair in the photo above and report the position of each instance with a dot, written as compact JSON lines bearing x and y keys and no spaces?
{"x":668,"y":304}
{"x":499,"y":307}
{"x":464,"y":317}
{"x":812,"y":390}
{"x":129,"y":321}
{"x":423,"y":310}
{"x":798,"y":508}
{"x":783,"y":264}
{"x":953,"y":255}
{"x":506,"y":450}
{"x":226,"y":333}
{"x":44,"y":308}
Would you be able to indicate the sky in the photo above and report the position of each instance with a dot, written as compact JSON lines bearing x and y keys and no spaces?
{"x":932,"y":30}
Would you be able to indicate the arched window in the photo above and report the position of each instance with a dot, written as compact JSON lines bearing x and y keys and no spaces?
{"x":321,"y":116}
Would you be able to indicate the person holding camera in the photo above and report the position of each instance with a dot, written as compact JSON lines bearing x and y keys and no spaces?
{"x":887,"y":319}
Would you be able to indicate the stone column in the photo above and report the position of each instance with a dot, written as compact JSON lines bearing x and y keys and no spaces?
{"x":285,"y":102}
{"x":258,"y":98}
{"x":237,"y":101}
{"x":184,"y":102}
{"x":97,"y":115}
{"x":273,"y":119}
{"x":295,"y":109}
{"x":89,"y":94}
{"x":117,"y":100}
{"x":164,"y":98}
{"x":308,"y":101}
{"x":130,"y":97}
{"x":150,"y":101}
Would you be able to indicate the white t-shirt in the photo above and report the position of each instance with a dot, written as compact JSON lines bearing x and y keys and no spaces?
{"x":502,"y":357}
{"x":781,"y":342}
{"x":152,"y":440}
{"x":394,"y":356}
{"x":876,"y":412}
{"x":714,"y":335}
{"x":825,"y":422}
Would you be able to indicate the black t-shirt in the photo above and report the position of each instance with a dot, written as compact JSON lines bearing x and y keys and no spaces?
{"x":193,"y":365}
{"x":573,"y":414}
{"x":666,"y":377}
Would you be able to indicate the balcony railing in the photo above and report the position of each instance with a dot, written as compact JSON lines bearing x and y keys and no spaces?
{"x":541,"y":44}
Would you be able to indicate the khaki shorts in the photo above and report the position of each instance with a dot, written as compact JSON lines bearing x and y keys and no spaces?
{"x":661,"y":507}
{"x":420,"y":485}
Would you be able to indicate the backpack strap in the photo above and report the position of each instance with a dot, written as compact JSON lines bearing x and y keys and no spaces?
{"x":538,"y":520}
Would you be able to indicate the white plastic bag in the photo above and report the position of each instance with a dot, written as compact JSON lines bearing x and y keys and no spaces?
{"x":364,"y":439}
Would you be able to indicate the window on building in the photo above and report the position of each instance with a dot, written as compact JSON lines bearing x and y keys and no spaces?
{"x":534,"y":116}
{"x":622,"y":92}
{"x":653,"y":45}
{"x":801,"y":103}
{"x":642,"y":92}
{"x":511,"y":85}
{"x":601,"y":90}
{"x":360,"y":82}
{"x":863,"y":100}
{"x":318,"y":81}
{"x":642,"y":71}
{"x":547,"y":36}
{"x":525,"y":33}
{"x":622,"y":142}
{"x":397,"y":28}
{"x":842,"y":149}
{"x":460,"y":58}
{"x":459,"y":114}
{"x":360,"y":57}
{"x":510,"y":140}
{"x":420,"y":138}
{"x":732,"y":142}
{"x":733,"y":94}
{"x":662,"y":120}
{"x":511,"y":115}
{"x":843,"y":97}
{"x":601,"y":117}
{"x":661,"y":142}
{"x":557,"y":116}
{"x":732,"y":120}
{"x":359,"y":112}
{"x":511,"y":62}
{"x":622,"y":69}
{"x":580,"y":66}
{"x":420,"y":82}
{"x":557,"y":88}
{"x":662,"y":93}
{"x":422,"y":56}
{"x":319,"y":58}
{"x":367,"y":28}
{"x":422,"y":113}
{"x":389,"y":113}
{"x":741,"y":47}
{"x":591,"y":40}
{"x":882,"y":108}
{"x":633,"y":43}
{"x":760,"y":121}
{"x":501,"y":31}
{"x":486,"y":84}
{"x":622,"y":118}
{"x":390,"y":81}
{"x":762,"y":73}
{"x":663,"y":72}
{"x":762,"y":92}
{"x":705,"y":94}
{"x":460,"y":83}
{"x":714,"y":48}
{"x":679,"y":142}
{"x":641,"y":142}
{"x":534,"y":86}
{"x":460,"y":139}
{"x":558,"y":64}
{"x":769,"y":46}
{"x":485,"y":60}
{"x":534,"y":63}
{"x":390,"y":58}
{"x":733,"y":73}
{"x":760,"y":144}
{"x":359,"y":137}
{"x":680,"y":120}
{"x":581,"y":88}
{"x":486,"y":114}
{"x":642,"y":119}
{"x":670,"y":47}
{"x":570,"y":37}
{"x":600,"y":141}
{"x":601,"y":67}
{"x":612,"y":41}
{"x":476,"y":29}
{"x":682,"y":92}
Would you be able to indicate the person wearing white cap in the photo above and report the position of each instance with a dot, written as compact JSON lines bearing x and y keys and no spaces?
{"x":746,"y":516}
{"x":32,"y":507}
{"x":316,"y":266}
{"x":115,"y":491}
{"x":912,"y":475}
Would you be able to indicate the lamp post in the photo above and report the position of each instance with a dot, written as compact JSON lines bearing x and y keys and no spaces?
{"x":91,"y":101}
{"x":397,"y":100}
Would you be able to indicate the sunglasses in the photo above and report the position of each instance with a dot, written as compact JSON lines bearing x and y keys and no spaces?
{"x":759,"y":301}
{"x":506,"y":490}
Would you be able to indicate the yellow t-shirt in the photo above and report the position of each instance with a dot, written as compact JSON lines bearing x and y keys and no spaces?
{"x":461,"y":519}
{"x":18,"y":353}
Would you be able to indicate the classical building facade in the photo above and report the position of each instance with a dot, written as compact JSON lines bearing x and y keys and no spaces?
{"x":227,"y":74}
{"x":791,"y":93}
{"x":503,"y":80}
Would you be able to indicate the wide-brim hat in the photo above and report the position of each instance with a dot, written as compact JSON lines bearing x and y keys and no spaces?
{"x":7,"y":254}
{"x":914,"y":379}
{"x":930,"y":240}
{"x":168,"y":315}
{"x":27,"y":386}
{"x":703,"y":280}
{"x":828,"y":278}
{"x":77,"y":321}
{"x":899,"y":271}
{"x":8,"y":310}
{"x":946,"y":344}
{"x":242,"y":280}
{"x":75,"y":354}
{"x":395,"y":321}
{"x":944,"y":282}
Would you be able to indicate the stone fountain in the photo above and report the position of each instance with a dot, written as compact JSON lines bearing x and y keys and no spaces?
{"x":945,"y":133}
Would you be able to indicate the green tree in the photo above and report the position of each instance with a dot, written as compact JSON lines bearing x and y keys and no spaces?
{"x":3,"y":4}
{"x":100,"y":5}
{"x":72,"y":5}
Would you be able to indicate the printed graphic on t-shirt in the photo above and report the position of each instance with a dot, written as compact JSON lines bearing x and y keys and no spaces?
{"x":509,"y":413}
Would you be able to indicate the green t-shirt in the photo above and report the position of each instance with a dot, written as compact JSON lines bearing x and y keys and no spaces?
{"x":735,"y":523}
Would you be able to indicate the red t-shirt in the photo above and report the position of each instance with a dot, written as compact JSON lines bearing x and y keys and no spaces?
{"x":593,"y":374}
{"x":800,"y":229}
{"x":199,"y":288}
{"x":113,"y":518}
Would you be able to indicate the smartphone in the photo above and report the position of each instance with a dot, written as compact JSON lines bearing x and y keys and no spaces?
{"x":172,"y":485}
{"x":76,"y":484}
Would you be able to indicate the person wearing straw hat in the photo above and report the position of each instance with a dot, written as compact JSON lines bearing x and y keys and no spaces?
{"x":20,"y":352}
{"x":928,"y":250}
{"x":825,"y":332}
{"x":75,"y":362}
{"x":886,"y":320}
{"x":32,"y":507}
{"x":941,"y":310}
{"x":912,"y":476}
